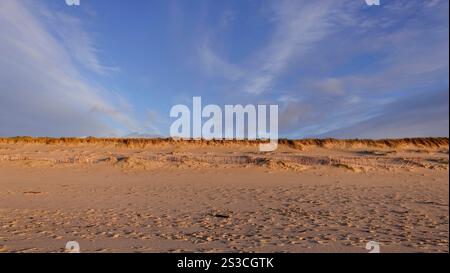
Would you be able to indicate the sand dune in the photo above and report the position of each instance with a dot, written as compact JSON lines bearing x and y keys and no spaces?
{"x":165,"y":195}
{"x":298,"y":144}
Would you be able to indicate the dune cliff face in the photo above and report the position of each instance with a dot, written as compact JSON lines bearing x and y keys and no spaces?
{"x":300,"y":143}
{"x":295,"y":155}
{"x":359,"y":155}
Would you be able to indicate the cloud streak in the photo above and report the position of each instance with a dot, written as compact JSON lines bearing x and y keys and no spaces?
{"x":298,"y":25}
{"x":78,"y":42}
{"x":42,"y":92}
{"x":329,"y":65}
{"x":350,"y":63}
{"x":418,"y":115}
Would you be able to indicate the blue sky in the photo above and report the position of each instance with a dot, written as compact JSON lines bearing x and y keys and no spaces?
{"x":335,"y":68}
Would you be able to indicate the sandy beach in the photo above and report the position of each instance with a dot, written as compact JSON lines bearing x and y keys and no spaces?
{"x":175,"y":196}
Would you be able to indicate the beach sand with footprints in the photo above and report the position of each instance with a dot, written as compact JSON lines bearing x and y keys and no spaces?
{"x":137,"y":195}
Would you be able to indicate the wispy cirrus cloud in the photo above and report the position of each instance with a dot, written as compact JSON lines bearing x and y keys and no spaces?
{"x":298,"y":25}
{"x":79,"y":43}
{"x":418,"y":115}
{"x":335,"y":64}
{"x":213,"y":64}
{"x":328,"y":64}
{"x":42,"y":92}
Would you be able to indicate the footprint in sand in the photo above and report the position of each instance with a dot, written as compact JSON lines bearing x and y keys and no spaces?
{"x":32,"y":192}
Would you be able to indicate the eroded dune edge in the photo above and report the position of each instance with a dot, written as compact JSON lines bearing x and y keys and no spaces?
{"x":165,"y":195}
{"x":354,"y":155}
{"x":299,"y":144}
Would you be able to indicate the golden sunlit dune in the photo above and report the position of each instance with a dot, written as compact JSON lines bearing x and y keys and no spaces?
{"x":166,"y":195}
{"x":431,"y":142}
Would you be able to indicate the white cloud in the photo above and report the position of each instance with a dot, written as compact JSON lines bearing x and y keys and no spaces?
{"x":41,"y":89}
{"x":78,"y":42}
{"x":212,"y":63}
{"x":298,"y":25}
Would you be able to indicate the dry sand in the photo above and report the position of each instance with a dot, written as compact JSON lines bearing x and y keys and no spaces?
{"x":175,"y":196}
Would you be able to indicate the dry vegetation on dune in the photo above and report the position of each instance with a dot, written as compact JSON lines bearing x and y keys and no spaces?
{"x":149,"y":153}
{"x":167,"y":195}
{"x":431,"y":142}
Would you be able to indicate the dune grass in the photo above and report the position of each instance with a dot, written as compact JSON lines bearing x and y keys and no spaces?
{"x":431,"y":142}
